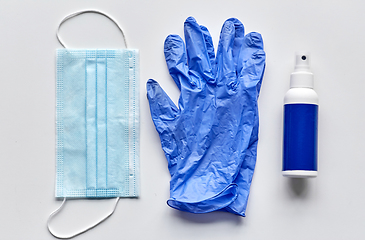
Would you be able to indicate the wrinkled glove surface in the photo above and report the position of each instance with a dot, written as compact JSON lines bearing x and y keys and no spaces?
{"x":210,"y":140}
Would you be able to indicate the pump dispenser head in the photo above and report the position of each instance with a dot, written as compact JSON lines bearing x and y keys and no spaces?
{"x":302,"y":60}
{"x":302,"y":76}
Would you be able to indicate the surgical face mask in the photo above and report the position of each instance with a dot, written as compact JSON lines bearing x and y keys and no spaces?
{"x":97,"y":109}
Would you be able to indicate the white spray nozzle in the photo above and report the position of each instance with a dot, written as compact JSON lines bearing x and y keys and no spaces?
{"x":302,"y":76}
{"x":302,"y":61}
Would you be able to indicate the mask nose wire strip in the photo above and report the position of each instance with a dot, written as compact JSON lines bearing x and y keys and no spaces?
{"x":88,"y":11}
{"x":54,"y":213}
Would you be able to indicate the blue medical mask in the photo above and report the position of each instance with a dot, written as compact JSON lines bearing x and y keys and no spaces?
{"x":97,"y":123}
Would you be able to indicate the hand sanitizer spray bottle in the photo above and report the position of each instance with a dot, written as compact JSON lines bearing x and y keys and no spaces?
{"x":300,"y":122}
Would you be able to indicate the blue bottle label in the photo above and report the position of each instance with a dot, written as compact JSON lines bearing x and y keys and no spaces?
{"x":300,"y":137}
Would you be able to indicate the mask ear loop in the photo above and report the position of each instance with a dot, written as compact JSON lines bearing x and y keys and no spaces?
{"x":88,"y":11}
{"x":54,"y":213}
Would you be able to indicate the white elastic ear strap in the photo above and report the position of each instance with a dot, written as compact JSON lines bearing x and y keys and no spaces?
{"x":54,"y":213}
{"x":88,"y":11}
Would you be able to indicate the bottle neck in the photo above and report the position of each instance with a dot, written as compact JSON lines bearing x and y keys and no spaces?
{"x":301,"y":79}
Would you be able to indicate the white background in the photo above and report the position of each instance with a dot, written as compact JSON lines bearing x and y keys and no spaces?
{"x":330,"y":206}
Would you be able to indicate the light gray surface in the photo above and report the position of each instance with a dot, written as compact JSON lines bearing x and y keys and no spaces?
{"x":328,"y":207}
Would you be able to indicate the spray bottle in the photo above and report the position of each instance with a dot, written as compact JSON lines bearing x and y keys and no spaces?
{"x":300,"y":122}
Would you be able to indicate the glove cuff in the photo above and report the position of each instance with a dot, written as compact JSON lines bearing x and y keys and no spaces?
{"x":219,"y":201}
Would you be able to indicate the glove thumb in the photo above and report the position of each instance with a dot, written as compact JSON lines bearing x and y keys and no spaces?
{"x":163,"y":109}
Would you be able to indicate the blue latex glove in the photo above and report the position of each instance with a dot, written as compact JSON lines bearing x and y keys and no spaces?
{"x":210,"y":141}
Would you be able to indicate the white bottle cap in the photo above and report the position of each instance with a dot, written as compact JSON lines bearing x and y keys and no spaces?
{"x":302,"y":76}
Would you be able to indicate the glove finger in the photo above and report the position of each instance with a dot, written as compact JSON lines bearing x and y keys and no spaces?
{"x":175,"y":55}
{"x":225,"y":67}
{"x":163,"y":109}
{"x":253,"y":70}
{"x":251,"y":43}
{"x":238,"y":39}
{"x":198,"y":59}
{"x":209,"y":45}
